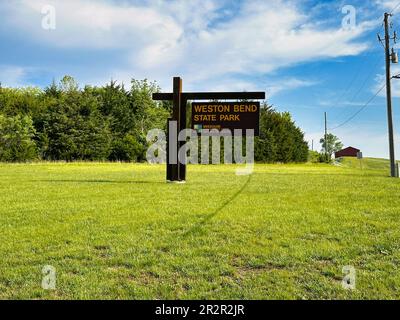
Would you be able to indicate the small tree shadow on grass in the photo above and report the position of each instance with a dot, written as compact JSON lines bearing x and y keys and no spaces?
{"x":207,"y":218}
{"x":192,"y":230}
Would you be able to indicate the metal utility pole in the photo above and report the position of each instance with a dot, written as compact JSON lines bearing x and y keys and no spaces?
{"x":389,"y":96}
{"x":326,"y":136}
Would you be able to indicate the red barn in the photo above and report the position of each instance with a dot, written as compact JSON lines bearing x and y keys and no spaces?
{"x":348,"y":152}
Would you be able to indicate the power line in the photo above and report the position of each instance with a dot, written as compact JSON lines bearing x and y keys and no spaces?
{"x":362,"y":86}
{"x":395,"y":8}
{"x":360,"y":110}
{"x":347,"y":89}
{"x":353,"y":81}
{"x":368,"y":77}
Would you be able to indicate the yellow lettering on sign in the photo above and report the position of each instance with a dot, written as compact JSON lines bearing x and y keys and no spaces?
{"x":243,"y":108}
{"x":197,"y":108}
{"x":229,"y":117}
{"x":218,"y":108}
{"x":205,"y":118}
{"x":203,"y":108}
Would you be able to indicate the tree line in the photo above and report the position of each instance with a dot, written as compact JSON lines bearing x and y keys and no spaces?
{"x":64,"y":122}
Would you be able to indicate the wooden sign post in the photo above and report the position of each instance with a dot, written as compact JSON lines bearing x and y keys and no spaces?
{"x":176,"y":171}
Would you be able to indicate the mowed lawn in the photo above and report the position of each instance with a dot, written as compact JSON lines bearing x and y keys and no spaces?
{"x":118,"y":231}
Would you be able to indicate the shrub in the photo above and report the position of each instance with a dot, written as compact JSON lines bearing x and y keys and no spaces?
{"x":16,"y":143}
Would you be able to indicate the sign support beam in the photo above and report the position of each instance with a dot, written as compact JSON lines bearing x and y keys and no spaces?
{"x":212,"y":96}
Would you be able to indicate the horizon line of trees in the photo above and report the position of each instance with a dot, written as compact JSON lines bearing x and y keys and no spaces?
{"x":64,"y":122}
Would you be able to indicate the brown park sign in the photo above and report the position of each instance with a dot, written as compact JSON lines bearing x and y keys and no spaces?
{"x":226,"y":115}
{"x":245,"y":115}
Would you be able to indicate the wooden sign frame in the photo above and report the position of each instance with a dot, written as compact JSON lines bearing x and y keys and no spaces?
{"x":177,"y":172}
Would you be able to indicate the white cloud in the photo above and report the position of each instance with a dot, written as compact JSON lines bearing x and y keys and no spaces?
{"x":195,"y":39}
{"x":94,"y":24}
{"x":388,"y":4}
{"x":343,"y":104}
{"x":12,"y":76}
{"x":380,"y":80}
{"x":261,"y":39}
{"x":287,"y":85}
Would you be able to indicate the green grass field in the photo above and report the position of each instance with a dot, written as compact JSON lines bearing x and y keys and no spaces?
{"x":118,"y":231}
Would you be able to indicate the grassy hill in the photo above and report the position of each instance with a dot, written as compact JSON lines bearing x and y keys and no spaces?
{"x":118,"y":231}
{"x":366,"y":163}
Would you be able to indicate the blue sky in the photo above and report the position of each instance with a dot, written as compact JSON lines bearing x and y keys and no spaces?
{"x":296,"y":51}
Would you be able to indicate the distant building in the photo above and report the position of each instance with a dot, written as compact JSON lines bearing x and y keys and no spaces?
{"x":348,"y":152}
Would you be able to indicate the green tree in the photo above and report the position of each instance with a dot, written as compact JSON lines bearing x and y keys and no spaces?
{"x":331,"y":145}
{"x":148,"y":114}
{"x":111,"y":122}
{"x":20,"y":101}
{"x":116,"y":104}
{"x":265,"y":148}
{"x":127,"y":149}
{"x":16,"y":143}
{"x":73,"y":127}
{"x":280,"y":139}
{"x":313,"y":156}
{"x":68,"y":84}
